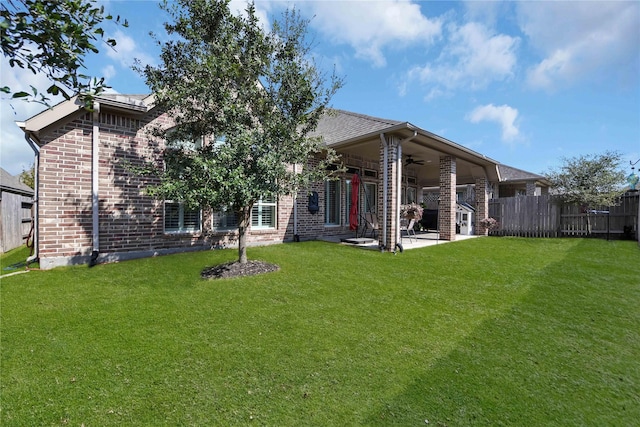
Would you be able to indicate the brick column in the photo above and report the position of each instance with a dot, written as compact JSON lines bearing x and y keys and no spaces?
{"x":482,"y":206}
{"x":447,"y":206}
{"x":531,"y":188}
{"x":387,"y":219}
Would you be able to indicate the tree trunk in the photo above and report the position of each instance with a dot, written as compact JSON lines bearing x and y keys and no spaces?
{"x":244,"y":215}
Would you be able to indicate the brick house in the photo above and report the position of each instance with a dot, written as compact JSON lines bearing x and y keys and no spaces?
{"x":91,"y":208}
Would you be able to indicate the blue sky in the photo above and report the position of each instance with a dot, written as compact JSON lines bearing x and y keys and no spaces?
{"x":525,"y":83}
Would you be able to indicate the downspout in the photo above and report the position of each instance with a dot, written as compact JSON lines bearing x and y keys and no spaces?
{"x":36,"y":217}
{"x":385,"y":180}
{"x":95,"y":205}
{"x":296,"y":238}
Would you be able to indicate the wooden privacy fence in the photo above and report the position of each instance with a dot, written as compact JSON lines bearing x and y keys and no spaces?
{"x":548,"y":216}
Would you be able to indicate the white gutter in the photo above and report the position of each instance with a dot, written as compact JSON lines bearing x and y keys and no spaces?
{"x":36,"y":217}
{"x":95,"y":200}
{"x":385,"y":180}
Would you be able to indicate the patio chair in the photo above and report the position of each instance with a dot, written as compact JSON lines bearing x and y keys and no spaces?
{"x":408,"y":229}
{"x":371,"y":223}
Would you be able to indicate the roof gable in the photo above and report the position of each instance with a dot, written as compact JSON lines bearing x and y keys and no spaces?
{"x":339,"y":125}
{"x":13,"y":184}
{"x":508,"y":173}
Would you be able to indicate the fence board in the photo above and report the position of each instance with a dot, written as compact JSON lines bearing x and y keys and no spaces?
{"x":548,"y":216}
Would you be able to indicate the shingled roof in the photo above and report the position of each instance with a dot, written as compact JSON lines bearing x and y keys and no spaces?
{"x":12,"y":184}
{"x":340,"y":125}
{"x":508,"y":173}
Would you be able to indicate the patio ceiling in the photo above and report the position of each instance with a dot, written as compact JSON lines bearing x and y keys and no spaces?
{"x":428,"y":148}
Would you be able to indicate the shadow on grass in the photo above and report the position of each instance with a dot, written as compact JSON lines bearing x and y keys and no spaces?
{"x":566,"y":354}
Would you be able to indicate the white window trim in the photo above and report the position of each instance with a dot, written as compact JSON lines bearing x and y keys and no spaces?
{"x":259,"y":205}
{"x":326,"y":204}
{"x":221,"y":228}
{"x":373,"y":196}
{"x":181,"y":229}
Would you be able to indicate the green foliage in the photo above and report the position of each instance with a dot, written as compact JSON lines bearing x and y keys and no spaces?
{"x":254,"y":97}
{"x":52,"y":38}
{"x":483,"y":332}
{"x":589,"y":180}
{"x":28,"y":176}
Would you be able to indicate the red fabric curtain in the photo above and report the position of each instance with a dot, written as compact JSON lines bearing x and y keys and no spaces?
{"x":353,"y":211}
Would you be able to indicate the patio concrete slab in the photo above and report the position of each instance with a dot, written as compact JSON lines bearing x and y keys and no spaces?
{"x":421,"y":240}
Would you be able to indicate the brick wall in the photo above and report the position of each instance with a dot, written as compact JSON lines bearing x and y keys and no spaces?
{"x":131,"y":224}
{"x":447,"y":207}
{"x":482,"y":206}
{"x":312,"y":226}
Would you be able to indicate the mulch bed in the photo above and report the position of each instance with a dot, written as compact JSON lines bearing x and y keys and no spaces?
{"x":235,"y":269}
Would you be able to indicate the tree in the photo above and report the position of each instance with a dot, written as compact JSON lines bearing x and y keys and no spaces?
{"x":253,"y":96}
{"x":52,"y":38}
{"x":590,"y":181}
{"x":28,"y":176}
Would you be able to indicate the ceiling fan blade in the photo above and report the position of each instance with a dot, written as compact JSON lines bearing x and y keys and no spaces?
{"x":411,"y":161}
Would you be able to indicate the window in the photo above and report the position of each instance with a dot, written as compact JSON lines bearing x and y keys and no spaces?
{"x":179,"y":219}
{"x":263,"y":214}
{"x":347,"y":200}
{"x":370,"y":173}
{"x":185,"y":142}
{"x":411,"y":195}
{"x":225,"y":219}
{"x":332,"y":202}
{"x":371,"y":197}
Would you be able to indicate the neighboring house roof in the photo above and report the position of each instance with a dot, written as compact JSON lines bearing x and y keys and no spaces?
{"x":511,"y":174}
{"x":13,"y":184}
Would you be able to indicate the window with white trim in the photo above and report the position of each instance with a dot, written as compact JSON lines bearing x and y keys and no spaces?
{"x":191,"y":144}
{"x":371,"y":197}
{"x":263,"y":213}
{"x":347,"y":200}
{"x":179,"y":219}
{"x":411,"y":195}
{"x":332,"y":202}
{"x":225,"y":219}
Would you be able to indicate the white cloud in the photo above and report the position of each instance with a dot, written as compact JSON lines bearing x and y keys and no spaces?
{"x":582,"y":41}
{"x":263,"y":8}
{"x":108,"y":72}
{"x":473,"y":57}
{"x":504,"y":115}
{"x":15,"y":154}
{"x":370,"y":27}
{"x":127,"y":51}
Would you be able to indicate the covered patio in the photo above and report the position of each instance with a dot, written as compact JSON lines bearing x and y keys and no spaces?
{"x":411,"y":158}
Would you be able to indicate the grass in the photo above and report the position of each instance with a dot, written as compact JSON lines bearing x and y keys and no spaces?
{"x":490,"y":331}
{"x":14,"y":260}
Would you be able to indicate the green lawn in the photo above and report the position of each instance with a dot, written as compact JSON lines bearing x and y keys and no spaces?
{"x":489,"y":331}
{"x":14,"y":260}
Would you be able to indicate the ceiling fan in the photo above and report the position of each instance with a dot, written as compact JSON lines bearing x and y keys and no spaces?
{"x":411,"y":161}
